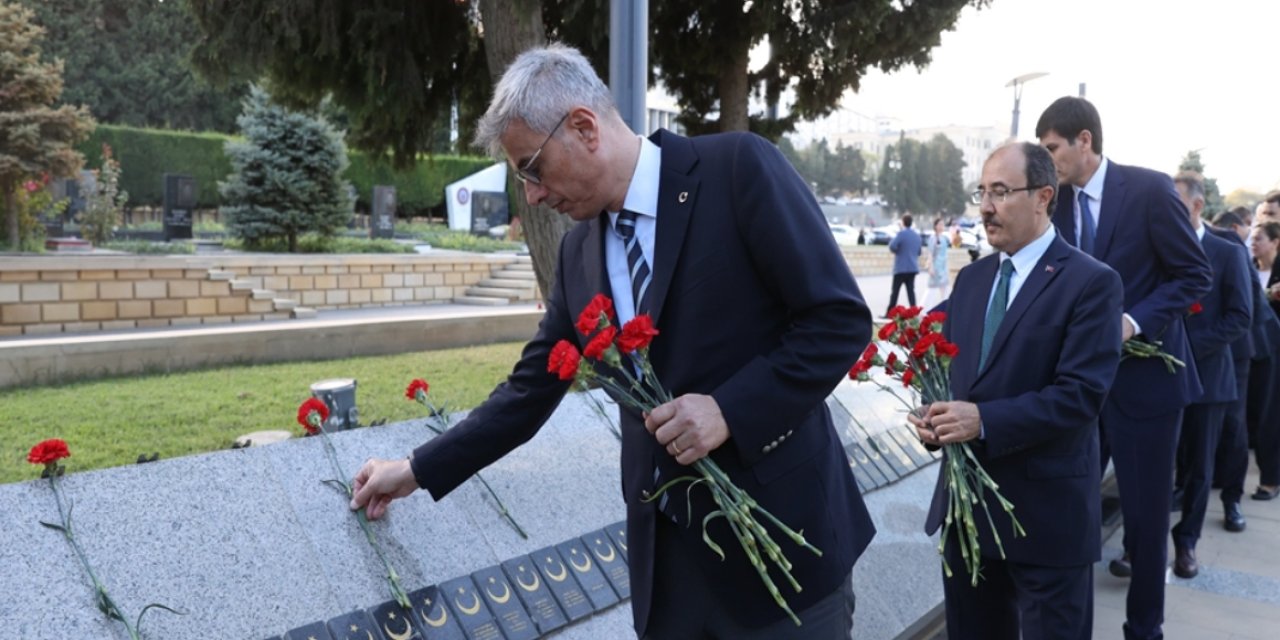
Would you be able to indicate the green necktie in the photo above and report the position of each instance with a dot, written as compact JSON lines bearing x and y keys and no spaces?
{"x":995,"y":313}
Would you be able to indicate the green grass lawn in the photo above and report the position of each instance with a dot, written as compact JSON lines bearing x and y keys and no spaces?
{"x":107,"y":423}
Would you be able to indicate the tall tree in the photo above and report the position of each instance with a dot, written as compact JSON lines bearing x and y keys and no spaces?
{"x":923,"y":177}
{"x":35,"y":137}
{"x":128,"y":62}
{"x":1213,"y":200}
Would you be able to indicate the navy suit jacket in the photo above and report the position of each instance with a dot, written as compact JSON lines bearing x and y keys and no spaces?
{"x":1052,"y":360}
{"x":1144,"y":233}
{"x":1225,"y":318}
{"x":756,"y":307}
{"x":906,"y":251}
{"x":1263,"y":325}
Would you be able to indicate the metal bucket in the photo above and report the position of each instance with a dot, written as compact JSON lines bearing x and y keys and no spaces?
{"x":339,"y":394}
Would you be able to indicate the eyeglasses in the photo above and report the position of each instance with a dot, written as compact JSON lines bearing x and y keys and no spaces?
{"x":526,"y":172}
{"x":997,"y":194}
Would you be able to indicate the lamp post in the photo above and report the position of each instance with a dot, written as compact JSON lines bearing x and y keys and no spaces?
{"x":1017,"y":84}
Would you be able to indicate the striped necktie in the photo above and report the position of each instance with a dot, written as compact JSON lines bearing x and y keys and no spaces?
{"x":636,"y":265}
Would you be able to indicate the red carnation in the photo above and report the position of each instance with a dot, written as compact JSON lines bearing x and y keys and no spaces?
{"x":637,"y":334}
{"x":930,"y":319}
{"x":600,"y":307}
{"x":48,"y":452}
{"x":887,"y":331}
{"x":926,"y":341}
{"x":1196,"y":307}
{"x":600,"y":344}
{"x":563,"y":360}
{"x":911,"y":312}
{"x":412,"y":391}
{"x":907,"y":376}
{"x":947,"y":349}
{"x":895,"y":312}
{"x":312,"y":406}
{"x":890,"y":363}
{"x":870,"y":352}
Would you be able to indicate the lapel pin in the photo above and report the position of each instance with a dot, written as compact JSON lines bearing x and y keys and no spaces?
{"x":1048,"y":268}
{"x":684,"y":195}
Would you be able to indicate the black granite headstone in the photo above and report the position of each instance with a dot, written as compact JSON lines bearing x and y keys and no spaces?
{"x":437,"y":622}
{"x":573,"y":601}
{"x":465,"y":602}
{"x":611,"y":562}
{"x":865,"y":483}
{"x":535,"y":595}
{"x":395,"y":623}
{"x":179,"y":205}
{"x":893,"y":453}
{"x":356,"y":625}
{"x":618,"y":534}
{"x":912,"y":446}
{"x":592,"y":579}
{"x":313,"y":631}
{"x":505,"y":604}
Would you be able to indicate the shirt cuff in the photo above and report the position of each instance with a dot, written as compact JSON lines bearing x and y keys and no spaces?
{"x":1137,"y":330}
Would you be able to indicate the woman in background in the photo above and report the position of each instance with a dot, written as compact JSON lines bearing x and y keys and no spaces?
{"x":938,"y":274}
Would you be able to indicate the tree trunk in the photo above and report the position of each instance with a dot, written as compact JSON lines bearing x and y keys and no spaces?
{"x":11,"y":216}
{"x":508,"y":31}
{"x":732,"y":90}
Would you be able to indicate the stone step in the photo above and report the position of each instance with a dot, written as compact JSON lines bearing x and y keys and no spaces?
{"x":303,"y":313}
{"x":263,"y":294}
{"x":481,"y":301}
{"x":496,"y":292}
{"x":510,"y":274}
{"x":218,"y":275}
{"x":524,"y":260}
{"x":242,"y":285}
{"x":284,"y":304}
{"x":503,"y":283}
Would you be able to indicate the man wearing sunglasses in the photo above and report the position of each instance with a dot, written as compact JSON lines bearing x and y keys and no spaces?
{"x":723,"y":245}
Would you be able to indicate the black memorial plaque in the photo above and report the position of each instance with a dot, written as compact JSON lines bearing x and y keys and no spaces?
{"x":505,"y":604}
{"x":610,"y":561}
{"x":893,"y":453}
{"x":437,"y":622}
{"x":618,"y":534}
{"x":313,"y":631}
{"x":465,"y":602}
{"x":179,"y":205}
{"x":535,"y":595}
{"x":382,"y":224}
{"x":356,"y":625}
{"x":872,"y":453}
{"x":880,"y":472}
{"x":489,"y":209}
{"x":912,"y":445}
{"x":275,"y":638}
{"x":395,"y":623}
{"x":588,"y":574}
{"x":573,"y":601}
{"x":860,"y":475}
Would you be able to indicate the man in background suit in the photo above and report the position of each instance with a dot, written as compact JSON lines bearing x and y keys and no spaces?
{"x":1214,"y":324}
{"x":1029,"y":408}
{"x":723,"y":245}
{"x":905,"y":247}
{"x":1131,"y":219}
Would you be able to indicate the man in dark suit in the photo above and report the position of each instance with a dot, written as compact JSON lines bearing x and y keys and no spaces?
{"x":1029,"y":408}
{"x":905,"y":247}
{"x":1214,"y":324}
{"x":1131,"y":219}
{"x":759,"y":319}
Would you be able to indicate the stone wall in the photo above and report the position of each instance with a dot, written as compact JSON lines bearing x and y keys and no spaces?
{"x":76,"y":293}
{"x":876,"y":260}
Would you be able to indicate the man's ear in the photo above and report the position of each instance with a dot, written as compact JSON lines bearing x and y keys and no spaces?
{"x":585,"y":124}
{"x":1086,"y":139}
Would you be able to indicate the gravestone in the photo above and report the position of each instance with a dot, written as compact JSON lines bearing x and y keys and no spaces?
{"x":488,"y":210}
{"x":179,"y":206}
{"x":383,"y":222}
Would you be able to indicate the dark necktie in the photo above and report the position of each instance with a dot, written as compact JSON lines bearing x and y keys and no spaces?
{"x":1088,"y":230}
{"x":995,"y":313}
{"x":636,"y":265}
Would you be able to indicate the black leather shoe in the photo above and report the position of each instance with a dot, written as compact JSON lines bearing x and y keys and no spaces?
{"x":1232,"y":517}
{"x":1120,"y":568}
{"x":1265,"y":494}
{"x":1184,"y":562}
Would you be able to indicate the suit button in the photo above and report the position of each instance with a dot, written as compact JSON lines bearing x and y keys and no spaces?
{"x":765,"y":449}
{"x":789,"y":431}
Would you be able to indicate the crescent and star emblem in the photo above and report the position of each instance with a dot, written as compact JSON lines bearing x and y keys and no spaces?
{"x":604,"y":557}
{"x":556,"y":577}
{"x":386,"y":628}
{"x":435,"y":622}
{"x":531,"y":587}
{"x":622,"y":540}
{"x":506,"y":593}
{"x":583,"y":568}
{"x":473,"y":609}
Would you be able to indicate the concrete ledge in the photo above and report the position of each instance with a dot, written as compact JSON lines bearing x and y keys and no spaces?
{"x":334,"y":335}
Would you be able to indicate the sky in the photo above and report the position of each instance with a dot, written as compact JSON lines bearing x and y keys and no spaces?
{"x":1167,"y":76}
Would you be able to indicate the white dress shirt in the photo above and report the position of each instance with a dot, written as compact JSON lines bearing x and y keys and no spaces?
{"x":642,"y":198}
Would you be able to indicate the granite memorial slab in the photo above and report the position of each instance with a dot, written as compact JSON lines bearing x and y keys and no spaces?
{"x":610,"y":561}
{"x":891,"y":452}
{"x":507,"y":609}
{"x":468,"y":607}
{"x":313,"y":631}
{"x":534,"y":594}
{"x":437,"y":622}
{"x":356,"y":625}
{"x":618,"y":534}
{"x":860,"y":475}
{"x":395,"y":623}
{"x":564,"y":587}
{"x":589,"y":576}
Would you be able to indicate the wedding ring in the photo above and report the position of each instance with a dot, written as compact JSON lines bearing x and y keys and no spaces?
{"x":673,"y":446}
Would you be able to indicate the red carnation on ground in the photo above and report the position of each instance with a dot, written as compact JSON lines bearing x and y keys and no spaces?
{"x":600,"y":344}
{"x":637,"y":334}
{"x":589,"y":320}
{"x":414,"y":386}
{"x":312,"y":407}
{"x":563,"y":360}
{"x":48,"y":452}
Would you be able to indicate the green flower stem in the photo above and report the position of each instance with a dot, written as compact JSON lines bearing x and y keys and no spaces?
{"x":397,"y":591}
{"x":600,"y":412}
{"x":503,"y":512}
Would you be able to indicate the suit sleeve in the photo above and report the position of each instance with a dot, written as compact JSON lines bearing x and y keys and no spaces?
{"x":796,"y":257}
{"x":1087,"y":364}
{"x":511,"y":415}
{"x":1237,"y":307}
{"x":1186,"y":273}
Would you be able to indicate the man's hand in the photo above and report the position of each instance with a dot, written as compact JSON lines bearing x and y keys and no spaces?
{"x":379,"y":482}
{"x":1126,"y":328}
{"x":924,"y":430}
{"x":690,"y":427}
{"x":952,"y":422}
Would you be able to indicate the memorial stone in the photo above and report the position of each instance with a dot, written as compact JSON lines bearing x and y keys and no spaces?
{"x":383,"y":222}
{"x":564,"y":587}
{"x":394,"y":622}
{"x":437,"y":623}
{"x":313,"y":631}
{"x":472,"y":613}
{"x":179,"y":206}
{"x":507,"y":609}
{"x":356,"y":625}
{"x":611,"y":562}
{"x":534,"y":594}
{"x":589,"y":576}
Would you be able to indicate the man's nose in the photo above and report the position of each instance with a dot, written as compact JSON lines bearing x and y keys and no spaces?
{"x":534,"y":193}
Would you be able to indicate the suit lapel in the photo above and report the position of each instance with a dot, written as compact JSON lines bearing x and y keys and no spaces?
{"x":1048,"y":268}
{"x":677,"y":192}
{"x":1113,"y":203}
{"x":593,"y":269}
{"x":969,"y":320}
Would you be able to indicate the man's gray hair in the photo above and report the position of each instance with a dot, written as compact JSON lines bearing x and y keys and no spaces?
{"x":540,"y":88}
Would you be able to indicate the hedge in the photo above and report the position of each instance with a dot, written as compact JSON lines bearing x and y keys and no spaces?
{"x":145,"y":155}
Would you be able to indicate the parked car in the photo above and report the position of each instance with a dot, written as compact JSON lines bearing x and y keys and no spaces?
{"x":883,"y":235}
{"x":845,"y":235}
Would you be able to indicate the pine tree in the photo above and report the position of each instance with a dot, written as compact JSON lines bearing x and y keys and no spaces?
{"x":35,"y":138}
{"x":286,"y":175}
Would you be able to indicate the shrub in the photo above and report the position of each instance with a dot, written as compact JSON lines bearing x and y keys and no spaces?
{"x":103,"y":208}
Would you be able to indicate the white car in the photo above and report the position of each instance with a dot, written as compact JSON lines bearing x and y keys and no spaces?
{"x":845,"y":235}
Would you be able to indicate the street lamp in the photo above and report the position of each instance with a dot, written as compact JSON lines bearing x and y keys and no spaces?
{"x":1017,"y":84}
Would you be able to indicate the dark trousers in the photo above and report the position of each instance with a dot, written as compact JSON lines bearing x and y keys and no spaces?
{"x":1143,"y":451}
{"x":685,"y":608}
{"x":1258,"y":404}
{"x":1232,"y":462}
{"x":1266,"y":439}
{"x":1014,"y":600}
{"x":1201,"y":429}
{"x":899,"y":280}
